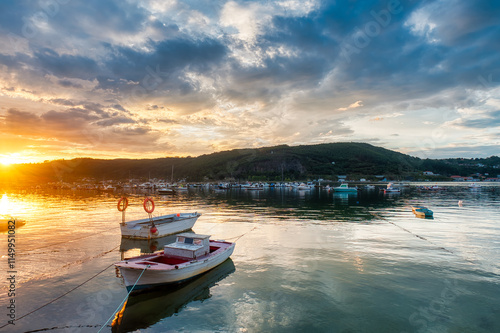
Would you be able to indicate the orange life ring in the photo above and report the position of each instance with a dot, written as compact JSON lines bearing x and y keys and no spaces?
{"x":122,"y":204}
{"x":146,"y":206}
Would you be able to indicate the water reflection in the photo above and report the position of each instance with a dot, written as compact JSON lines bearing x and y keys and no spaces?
{"x":145,"y":309}
{"x":4,"y":205}
{"x":135,"y":247}
{"x":343,"y":198}
{"x":7,"y":221}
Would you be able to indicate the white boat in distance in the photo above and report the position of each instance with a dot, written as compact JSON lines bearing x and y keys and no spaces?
{"x":345,"y":188}
{"x":391,"y":189}
{"x":255,"y":187}
{"x":164,"y":224}
{"x":166,"y":191}
{"x":305,"y":187}
{"x":190,"y":256}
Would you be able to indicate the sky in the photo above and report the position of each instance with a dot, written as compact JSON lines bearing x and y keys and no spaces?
{"x":147,"y":79}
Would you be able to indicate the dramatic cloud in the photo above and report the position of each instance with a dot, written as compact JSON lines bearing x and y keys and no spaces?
{"x":109,"y":78}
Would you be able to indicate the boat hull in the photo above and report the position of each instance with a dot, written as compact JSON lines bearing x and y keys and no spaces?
{"x":165,"y":225}
{"x":422,"y":212}
{"x":166,"y":191}
{"x":157,"y":274}
{"x":424,"y":215}
{"x":344,"y":190}
{"x":10,"y":223}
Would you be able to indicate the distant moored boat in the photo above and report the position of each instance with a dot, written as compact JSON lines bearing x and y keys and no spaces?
{"x":345,"y":188}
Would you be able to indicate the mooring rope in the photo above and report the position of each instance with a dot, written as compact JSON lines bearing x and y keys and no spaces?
{"x":62,"y":328}
{"x":423,"y":238}
{"x":77,"y":262}
{"x":59,"y":297}
{"x":68,"y":241}
{"x":121,"y":304}
{"x":238,"y":237}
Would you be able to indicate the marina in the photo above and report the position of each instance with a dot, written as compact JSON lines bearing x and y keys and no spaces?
{"x":304,"y":260}
{"x":250,"y":166}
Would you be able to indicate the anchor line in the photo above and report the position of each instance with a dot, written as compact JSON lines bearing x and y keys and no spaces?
{"x":238,"y":237}
{"x":78,"y":262}
{"x":121,"y":304}
{"x":62,"y":328}
{"x":59,"y":297}
{"x":423,"y":238}
{"x":65,"y":242}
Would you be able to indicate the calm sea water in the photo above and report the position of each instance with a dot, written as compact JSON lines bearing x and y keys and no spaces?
{"x":305,"y":261}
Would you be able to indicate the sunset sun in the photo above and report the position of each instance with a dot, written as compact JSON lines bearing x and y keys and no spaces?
{"x":8,"y":160}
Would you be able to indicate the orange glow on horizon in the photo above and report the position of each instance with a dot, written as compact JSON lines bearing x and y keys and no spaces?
{"x":15,"y":158}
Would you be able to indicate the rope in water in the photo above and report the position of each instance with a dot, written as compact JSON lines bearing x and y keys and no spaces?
{"x":422,"y":238}
{"x":68,"y":241}
{"x":121,"y":304}
{"x":238,"y":237}
{"x":62,"y":328}
{"x":59,"y":297}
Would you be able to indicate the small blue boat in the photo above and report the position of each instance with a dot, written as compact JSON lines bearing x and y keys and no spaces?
{"x":421,"y":211}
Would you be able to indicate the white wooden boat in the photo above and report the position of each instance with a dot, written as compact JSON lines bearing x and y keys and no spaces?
{"x":159,"y":226}
{"x":166,"y":191}
{"x":255,"y":187}
{"x":146,"y":308}
{"x":345,"y":188}
{"x":391,"y":189}
{"x":305,"y":187}
{"x":190,"y":256}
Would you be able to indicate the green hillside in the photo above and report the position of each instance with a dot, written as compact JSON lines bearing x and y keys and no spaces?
{"x":269,"y":163}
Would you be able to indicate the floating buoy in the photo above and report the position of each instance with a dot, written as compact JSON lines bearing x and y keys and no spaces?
{"x":153,"y":230}
{"x":149,"y":205}
{"x":178,"y":214}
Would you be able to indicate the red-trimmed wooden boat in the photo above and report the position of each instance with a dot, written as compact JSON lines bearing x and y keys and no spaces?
{"x":190,"y":256}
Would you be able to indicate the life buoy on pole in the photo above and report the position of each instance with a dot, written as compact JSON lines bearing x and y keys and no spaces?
{"x":149,"y":205}
{"x":122,"y":204}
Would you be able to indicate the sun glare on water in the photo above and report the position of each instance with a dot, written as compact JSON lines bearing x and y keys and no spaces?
{"x":4,"y":205}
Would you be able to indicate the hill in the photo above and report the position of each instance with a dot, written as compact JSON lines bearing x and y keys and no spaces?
{"x":268,"y":163}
